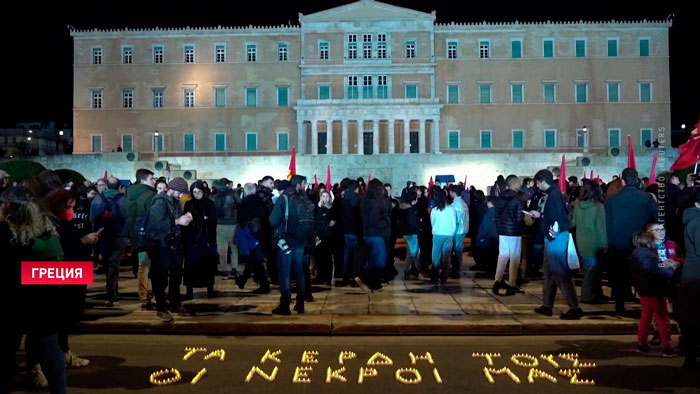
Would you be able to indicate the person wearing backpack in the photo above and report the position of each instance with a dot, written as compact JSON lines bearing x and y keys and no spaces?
{"x":138,"y":201}
{"x":165,"y":246}
{"x":108,"y":213}
{"x":293,"y":219}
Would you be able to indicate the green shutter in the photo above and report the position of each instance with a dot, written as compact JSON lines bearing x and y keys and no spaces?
{"x":486,"y":139}
{"x":485,"y":94}
{"x":581,"y":93}
{"x":516,"y":48}
{"x":454,"y":140}
{"x":251,"y":142}
{"x":453,"y":94}
{"x":612,"y":48}
{"x":324,"y":92}
{"x":549,"y":93}
{"x":613,"y":92}
{"x":580,"y":48}
{"x":126,"y":143}
{"x":220,"y":97}
{"x":251,"y":97}
{"x":517,"y":91}
{"x":97,"y":143}
{"x":189,"y":142}
{"x":382,"y":92}
{"x":282,"y":97}
{"x":220,"y":142}
{"x":518,"y":139}
{"x":411,"y":91}
{"x":644,"y":47}
{"x":159,"y":143}
{"x":548,"y":48}
{"x":550,"y":140}
{"x":646,"y":136}
{"x":645,"y":93}
{"x":580,"y":139}
{"x":614,"y":138}
{"x":283,"y":141}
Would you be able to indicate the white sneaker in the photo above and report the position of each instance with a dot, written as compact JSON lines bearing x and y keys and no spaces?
{"x":165,"y":316}
{"x":73,"y":361}
{"x":38,"y":378}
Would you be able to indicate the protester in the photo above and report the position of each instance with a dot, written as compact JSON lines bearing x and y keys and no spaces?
{"x":226,"y":217}
{"x":164,"y":247}
{"x":324,"y":225}
{"x":410,"y":228}
{"x":686,"y":308}
{"x":626,"y":213}
{"x":461,"y":229}
{"x":161,"y":186}
{"x":591,"y":239}
{"x":485,"y":248}
{"x":138,"y":202}
{"x":376,"y":223}
{"x":509,"y":222}
{"x":443,"y":220}
{"x":651,"y":276}
{"x":425,"y":235}
{"x":199,"y":242}
{"x":554,"y":220}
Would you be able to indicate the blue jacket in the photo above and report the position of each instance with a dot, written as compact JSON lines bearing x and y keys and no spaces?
{"x":245,"y":240}
{"x":651,"y":276}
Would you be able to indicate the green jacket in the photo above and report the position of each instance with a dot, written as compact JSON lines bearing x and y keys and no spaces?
{"x":138,"y":201}
{"x":589,"y":219}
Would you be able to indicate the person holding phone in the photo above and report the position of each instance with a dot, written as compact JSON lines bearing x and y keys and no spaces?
{"x":510,"y":224}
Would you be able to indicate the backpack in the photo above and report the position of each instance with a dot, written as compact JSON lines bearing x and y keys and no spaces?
{"x":299,"y":211}
{"x":141,"y":239}
{"x":109,"y":215}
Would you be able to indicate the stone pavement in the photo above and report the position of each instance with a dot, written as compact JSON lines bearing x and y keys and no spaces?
{"x":461,"y":307}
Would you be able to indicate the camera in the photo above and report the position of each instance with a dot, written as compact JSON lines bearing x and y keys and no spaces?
{"x":282,"y":244}
{"x":318,"y":241}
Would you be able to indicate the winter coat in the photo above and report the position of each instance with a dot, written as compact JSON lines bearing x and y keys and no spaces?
{"x":555,"y":210}
{"x":651,"y":276}
{"x":350,"y":213}
{"x":138,"y":201}
{"x":509,"y":214}
{"x":487,"y":235}
{"x":278,"y":221}
{"x":686,"y":309}
{"x":626,"y":213}
{"x":589,"y":220}
{"x":376,"y":219}
{"x":161,"y":219}
{"x":323,"y":222}
{"x":254,"y":215}
{"x":199,"y":210}
{"x":408,"y":219}
{"x":444,"y":221}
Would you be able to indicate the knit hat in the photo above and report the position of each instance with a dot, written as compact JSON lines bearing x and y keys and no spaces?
{"x":179,"y":185}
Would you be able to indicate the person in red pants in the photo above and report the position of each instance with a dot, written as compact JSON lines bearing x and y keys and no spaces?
{"x":652,"y":275}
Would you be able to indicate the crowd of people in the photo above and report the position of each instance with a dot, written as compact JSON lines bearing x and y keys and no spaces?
{"x":287,"y":233}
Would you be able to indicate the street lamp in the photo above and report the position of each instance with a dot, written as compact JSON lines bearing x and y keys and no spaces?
{"x":683,"y":126}
{"x":60,"y":133}
{"x":585,"y":139}
{"x":155,"y":143}
{"x":30,"y":131}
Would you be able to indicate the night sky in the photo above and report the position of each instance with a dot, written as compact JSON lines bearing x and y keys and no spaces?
{"x":38,"y":49}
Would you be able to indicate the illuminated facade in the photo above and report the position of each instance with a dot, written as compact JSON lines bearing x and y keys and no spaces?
{"x":371,"y":78}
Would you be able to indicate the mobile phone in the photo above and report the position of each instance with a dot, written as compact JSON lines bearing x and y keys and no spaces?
{"x":100,"y":230}
{"x":527,"y":213}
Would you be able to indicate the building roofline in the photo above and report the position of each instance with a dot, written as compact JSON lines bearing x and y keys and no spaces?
{"x":658,"y":23}
{"x":90,"y":33}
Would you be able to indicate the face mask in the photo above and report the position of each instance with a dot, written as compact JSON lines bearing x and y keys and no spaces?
{"x":67,"y":215}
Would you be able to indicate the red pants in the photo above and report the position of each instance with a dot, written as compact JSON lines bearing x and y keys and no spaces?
{"x":654,"y":306}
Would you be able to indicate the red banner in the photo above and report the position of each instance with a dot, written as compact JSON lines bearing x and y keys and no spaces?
{"x":57,"y":272}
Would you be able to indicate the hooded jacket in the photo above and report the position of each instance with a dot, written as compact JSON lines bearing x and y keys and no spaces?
{"x":408,"y":219}
{"x":138,"y":201}
{"x":509,"y":214}
{"x":555,"y":211}
{"x":589,"y":220}
{"x":651,"y":276}
{"x":686,"y":308}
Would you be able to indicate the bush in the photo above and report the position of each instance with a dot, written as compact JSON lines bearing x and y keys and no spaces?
{"x":67,"y":175}
{"x":20,"y":169}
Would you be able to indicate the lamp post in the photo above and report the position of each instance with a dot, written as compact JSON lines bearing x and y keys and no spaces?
{"x":585,"y":139}
{"x":155,"y":143}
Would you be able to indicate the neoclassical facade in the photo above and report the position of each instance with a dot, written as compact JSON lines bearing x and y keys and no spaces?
{"x":371,"y":78}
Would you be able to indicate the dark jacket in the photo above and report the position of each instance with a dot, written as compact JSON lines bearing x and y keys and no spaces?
{"x":509,"y":214}
{"x":277,"y":217}
{"x":626,"y":213}
{"x":555,"y":210}
{"x":350,"y":213}
{"x":161,"y":219}
{"x":323,"y":217}
{"x":225,"y":206}
{"x":138,"y":201}
{"x":651,"y":277}
{"x":81,"y":221}
{"x":376,"y":219}
{"x":199,"y":210}
{"x":487,"y":235}
{"x":408,"y":219}
{"x":686,"y":309}
{"x":254,"y":215}
{"x":73,"y":248}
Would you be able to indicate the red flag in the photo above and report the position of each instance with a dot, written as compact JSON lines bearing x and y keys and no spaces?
{"x":465,"y":181}
{"x":315,"y":182}
{"x":329,"y":185}
{"x":431,"y":183}
{"x":368,"y":179}
{"x":292,"y":165}
{"x":447,"y":182}
{"x":631,"y":163}
{"x":591,"y":174}
{"x":652,"y":176}
{"x":584,"y":174}
{"x":562,"y":175}
{"x":105,"y":176}
{"x":689,"y":151}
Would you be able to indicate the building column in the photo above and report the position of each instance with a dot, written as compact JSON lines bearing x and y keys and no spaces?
{"x":329,"y":137}
{"x":301,"y":138}
{"x":407,"y":136}
{"x":421,"y":136}
{"x":392,"y":143}
{"x":360,"y":137}
{"x":375,"y":136}
{"x":345,"y":136}
{"x":435,"y":136}
{"x":314,"y":137}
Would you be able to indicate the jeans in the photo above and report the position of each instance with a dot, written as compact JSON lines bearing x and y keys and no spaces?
{"x":509,"y":250}
{"x":166,"y":271}
{"x":458,"y":241}
{"x":591,"y":290}
{"x":45,"y":350}
{"x":349,"y":247}
{"x":142,"y":275}
{"x":372,"y":271}
{"x":286,"y":263}
{"x":557,"y":273}
{"x":115,"y":254}
{"x":412,"y":252}
{"x":442,"y":249}
{"x":654,"y":306}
